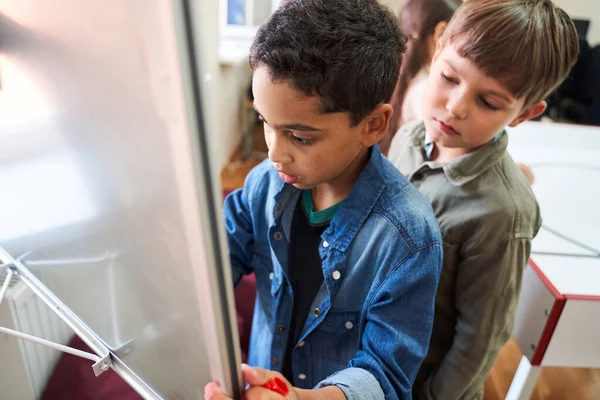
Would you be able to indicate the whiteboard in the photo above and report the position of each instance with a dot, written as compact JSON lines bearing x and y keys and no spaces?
{"x":108,"y":195}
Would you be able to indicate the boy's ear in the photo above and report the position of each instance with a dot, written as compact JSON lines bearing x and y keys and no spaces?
{"x":438,"y":31}
{"x":439,"y":46}
{"x":530,"y":112}
{"x":376,"y":125}
{"x":433,"y":40}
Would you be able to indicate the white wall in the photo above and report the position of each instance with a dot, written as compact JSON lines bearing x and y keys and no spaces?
{"x":224,"y":86}
{"x":393,"y":4}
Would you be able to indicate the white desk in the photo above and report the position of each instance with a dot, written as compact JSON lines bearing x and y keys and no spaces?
{"x":558,"y":317}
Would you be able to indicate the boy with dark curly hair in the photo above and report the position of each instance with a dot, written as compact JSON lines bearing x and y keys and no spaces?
{"x":346,"y":252}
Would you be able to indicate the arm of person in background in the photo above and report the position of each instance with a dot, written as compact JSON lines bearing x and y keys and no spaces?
{"x":527,"y":172}
{"x":488,"y":285}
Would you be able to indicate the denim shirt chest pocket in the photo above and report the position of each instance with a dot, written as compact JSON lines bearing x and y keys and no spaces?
{"x":336,"y":338}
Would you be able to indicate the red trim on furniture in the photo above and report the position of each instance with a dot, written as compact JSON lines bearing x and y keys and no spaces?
{"x":553,"y":318}
{"x":553,"y":290}
{"x":588,"y":297}
{"x":555,"y":312}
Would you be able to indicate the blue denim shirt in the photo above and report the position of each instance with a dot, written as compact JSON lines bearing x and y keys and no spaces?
{"x":370,"y":323}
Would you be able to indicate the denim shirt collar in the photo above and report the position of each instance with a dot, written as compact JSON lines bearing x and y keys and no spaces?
{"x":356,"y":208}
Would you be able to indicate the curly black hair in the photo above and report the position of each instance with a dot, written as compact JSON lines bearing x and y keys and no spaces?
{"x":347,"y":52}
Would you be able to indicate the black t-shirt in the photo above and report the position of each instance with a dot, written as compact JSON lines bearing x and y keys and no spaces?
{"x":305,"y":275}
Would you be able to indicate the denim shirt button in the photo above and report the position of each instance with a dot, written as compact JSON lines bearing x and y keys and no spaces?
{"x":279,"y":206}
{"x":301,"y":377}
{"x":325,"y":244}
{"x":336,"y":275}
{"x":301,"y":344}
{"x":277,"y":236}
{"x":349,"y":325}
{"x":274,"y":361}
{"x":271,"y":275}
{"x":317,"y":312}
{"x":280,"y":328}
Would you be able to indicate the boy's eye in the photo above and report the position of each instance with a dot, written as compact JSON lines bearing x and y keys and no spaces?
{"x":448,"y":79}
{"x":488,"y":105}
{"x":300,"y":140}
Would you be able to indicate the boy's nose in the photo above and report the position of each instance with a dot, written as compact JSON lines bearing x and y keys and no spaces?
{"x":278,"y":152}
{"x":457,"y":107}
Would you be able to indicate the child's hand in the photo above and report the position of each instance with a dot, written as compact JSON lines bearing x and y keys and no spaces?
{"x":256,"y":378}
{"x":527,"y":172}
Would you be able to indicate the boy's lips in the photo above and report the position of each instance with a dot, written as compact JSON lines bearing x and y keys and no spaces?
{"x":287,"y":178}
{"x":446,"y":128}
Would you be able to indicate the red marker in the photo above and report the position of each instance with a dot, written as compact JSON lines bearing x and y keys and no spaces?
{"x":278,"y":386}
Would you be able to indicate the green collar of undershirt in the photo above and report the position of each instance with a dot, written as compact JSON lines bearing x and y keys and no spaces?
{"x":318,"y":217}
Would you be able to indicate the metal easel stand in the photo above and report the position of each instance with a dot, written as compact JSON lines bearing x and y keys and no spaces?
{"x":102,"y":360}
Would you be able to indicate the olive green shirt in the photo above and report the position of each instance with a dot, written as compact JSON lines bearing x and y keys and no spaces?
{"x":488,"y":216}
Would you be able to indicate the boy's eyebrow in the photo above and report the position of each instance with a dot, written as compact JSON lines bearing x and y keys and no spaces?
{"x":450,"y":64}
{"x":490,"y":92}
{"x":298,"y":127}
{"x":291,"y":127}
{"x":500,"y":95}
